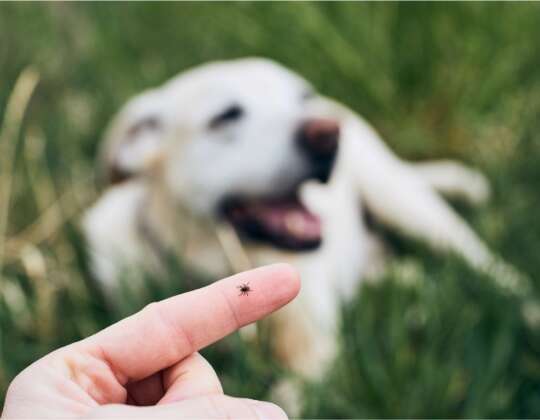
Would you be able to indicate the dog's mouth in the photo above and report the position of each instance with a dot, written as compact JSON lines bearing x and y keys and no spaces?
{"x":283,"y":222}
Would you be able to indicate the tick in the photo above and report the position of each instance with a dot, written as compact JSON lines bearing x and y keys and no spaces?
{"x":244,"y":289}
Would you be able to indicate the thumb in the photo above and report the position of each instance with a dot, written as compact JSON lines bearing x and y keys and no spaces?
{"x":208,"y":407}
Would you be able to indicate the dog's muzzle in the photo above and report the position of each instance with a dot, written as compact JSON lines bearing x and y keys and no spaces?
{"x":285,"y":221}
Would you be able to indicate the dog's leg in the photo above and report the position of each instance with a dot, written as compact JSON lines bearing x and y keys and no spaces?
{"x":306,"y":331}
{"x":400,"y":197}
{"x":454,"y":179}
{"x":308,"y":326}
{"x":304,"y":337}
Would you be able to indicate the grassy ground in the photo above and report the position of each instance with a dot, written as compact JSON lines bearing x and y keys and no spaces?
{"x":454,"y":80}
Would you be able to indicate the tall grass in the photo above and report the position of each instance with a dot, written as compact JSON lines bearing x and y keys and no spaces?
{"x":457,"y":80}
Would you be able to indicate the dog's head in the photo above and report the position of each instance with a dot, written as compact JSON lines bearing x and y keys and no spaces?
{"x":233,"y":139}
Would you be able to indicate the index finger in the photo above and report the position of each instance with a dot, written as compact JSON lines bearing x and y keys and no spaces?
{"x":166,"y":332}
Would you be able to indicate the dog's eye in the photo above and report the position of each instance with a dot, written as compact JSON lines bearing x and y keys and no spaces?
{"x":232,"y":113}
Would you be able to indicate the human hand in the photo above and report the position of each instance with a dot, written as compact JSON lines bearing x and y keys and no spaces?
{"x":148,"y":365}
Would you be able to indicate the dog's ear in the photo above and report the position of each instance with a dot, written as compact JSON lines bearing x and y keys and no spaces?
{"x":134,"y":141}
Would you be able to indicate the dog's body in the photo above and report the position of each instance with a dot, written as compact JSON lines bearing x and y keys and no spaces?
{"x":218,"y":165}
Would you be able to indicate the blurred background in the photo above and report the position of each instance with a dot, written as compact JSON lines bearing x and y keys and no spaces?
{"x":460,"y":80}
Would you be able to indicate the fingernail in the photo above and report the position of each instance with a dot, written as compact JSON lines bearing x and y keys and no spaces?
{"x":266,"y":410}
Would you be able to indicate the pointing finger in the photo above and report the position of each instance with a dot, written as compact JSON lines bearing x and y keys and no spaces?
{"x":166,"y":332}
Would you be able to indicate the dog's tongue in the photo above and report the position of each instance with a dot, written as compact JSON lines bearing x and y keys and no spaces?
{"x":290,"y":218}
{"x":286,"y":223}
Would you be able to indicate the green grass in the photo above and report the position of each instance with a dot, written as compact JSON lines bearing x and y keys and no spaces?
{"x":458,"y":80}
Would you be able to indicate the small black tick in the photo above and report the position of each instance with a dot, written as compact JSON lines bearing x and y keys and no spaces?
{"x":244,"y":289}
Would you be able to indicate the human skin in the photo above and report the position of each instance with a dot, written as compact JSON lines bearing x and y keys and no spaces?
{"x":148,"y":365}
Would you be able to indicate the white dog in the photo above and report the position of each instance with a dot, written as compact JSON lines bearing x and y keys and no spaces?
{"x":240,"y":163}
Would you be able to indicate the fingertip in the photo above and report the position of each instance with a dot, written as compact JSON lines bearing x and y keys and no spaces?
{"x":266,"y":410}
{"x":286,"y":280}
{"x":268,"y":288}
{"x":291,"y":277}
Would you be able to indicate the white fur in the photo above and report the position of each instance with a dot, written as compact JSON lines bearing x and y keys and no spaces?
{"x":111,"y":234}
{"x":194,"y":167}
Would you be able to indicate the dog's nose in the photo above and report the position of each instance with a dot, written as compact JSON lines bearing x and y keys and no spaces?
{"x":319,"y":137}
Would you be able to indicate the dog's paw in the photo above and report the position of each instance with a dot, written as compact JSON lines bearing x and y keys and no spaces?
{"x":314,"y":196}
{"x":477,"y":189}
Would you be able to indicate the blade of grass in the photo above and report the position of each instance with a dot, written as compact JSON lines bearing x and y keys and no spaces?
{"x":9,"y":134}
